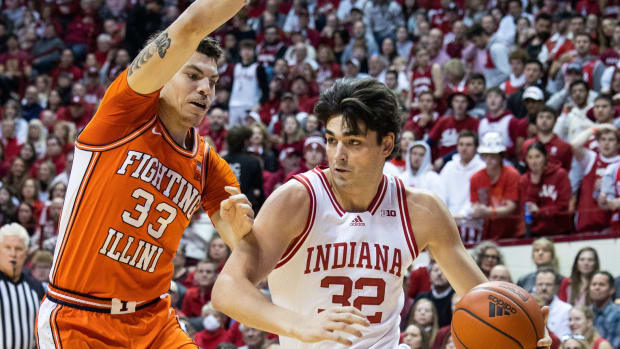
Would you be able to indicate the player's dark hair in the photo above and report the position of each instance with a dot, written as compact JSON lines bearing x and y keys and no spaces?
{"x":470,"y":134}
{"x":610,"y":278}
{"x":366,"y":100}
{"x":211,"y":48}
{"x":237,"y":137}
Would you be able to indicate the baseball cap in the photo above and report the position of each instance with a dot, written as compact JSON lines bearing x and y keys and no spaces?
{"x":314,"y":142}
{"x":355,"y":62}
{"x":492,"y":143}
{"x":533,"y":92}
{"x":288,"y":151}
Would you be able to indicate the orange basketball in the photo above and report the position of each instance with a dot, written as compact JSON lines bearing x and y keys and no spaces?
{"x":497,"y":315}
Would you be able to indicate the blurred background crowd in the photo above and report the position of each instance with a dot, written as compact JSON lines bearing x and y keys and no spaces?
{"x":510,"y":111}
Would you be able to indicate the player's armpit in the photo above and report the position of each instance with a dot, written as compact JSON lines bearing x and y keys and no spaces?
{"x":435,"y":229}
{"x":166,"y":53}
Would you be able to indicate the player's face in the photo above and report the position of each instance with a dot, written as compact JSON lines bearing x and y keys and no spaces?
{"x":423,"y":315}
{"x":608,"y":144}
{"x":191,"y":90}
{"x":577,"y":321}
{"x":354,"y":159}
{"x":413,"y":337}
{"x":12,"y":252}
{"x":541,"y":255}
{"x":545,"y":286}
{"x":585,"y":262}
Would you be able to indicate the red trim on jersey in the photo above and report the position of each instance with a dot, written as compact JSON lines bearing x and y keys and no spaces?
{"x":376,"y":202}
{"x":330,"y":193}
{"x":299,"y":240}
{"x":404,"y":217}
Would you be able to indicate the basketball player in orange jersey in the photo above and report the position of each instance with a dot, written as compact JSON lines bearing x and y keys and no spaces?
{"x":139,"y":174}
{"x":335,"y":243}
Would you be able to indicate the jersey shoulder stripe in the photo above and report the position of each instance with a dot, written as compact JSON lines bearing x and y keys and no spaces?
{"x":119,"y":142}
{"x":404,"y":217}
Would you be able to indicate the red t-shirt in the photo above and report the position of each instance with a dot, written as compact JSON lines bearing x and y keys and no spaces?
{"x":497,"y":194}
{"x":445,"y":133}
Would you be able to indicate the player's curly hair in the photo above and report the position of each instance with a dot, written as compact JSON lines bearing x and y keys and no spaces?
{"x":366,"y":100}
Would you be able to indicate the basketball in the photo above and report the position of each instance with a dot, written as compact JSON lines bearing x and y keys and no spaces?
{"x":497,"y":315}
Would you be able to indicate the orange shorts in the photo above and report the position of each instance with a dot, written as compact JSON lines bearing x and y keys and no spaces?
{"x":156,"y":326}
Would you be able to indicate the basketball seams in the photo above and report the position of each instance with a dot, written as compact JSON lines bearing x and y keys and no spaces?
{"x":458,"y":338}
{"x":489,"y":325}
{"x":515,"y":302}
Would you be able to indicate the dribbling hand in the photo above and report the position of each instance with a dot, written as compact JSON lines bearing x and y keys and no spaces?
{"x":237,"y":212}
{"x":333,"y":324}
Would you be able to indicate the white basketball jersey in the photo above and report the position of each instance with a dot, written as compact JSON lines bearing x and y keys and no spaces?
{"x":348,"y":259}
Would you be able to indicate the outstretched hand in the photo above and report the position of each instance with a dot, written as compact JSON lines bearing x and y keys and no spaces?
{"x":337,"y":324}
{"x":545,"y":342}
{"x":237,"y":212}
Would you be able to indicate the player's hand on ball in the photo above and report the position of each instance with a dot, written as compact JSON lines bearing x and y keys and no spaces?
{"x":336,"y":324}
{"x":545,"y":343}
{"x":237,"y":211}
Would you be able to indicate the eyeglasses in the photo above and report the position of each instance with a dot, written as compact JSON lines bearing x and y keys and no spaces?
{"x":573,"y":336}
{"x":490,"y":256}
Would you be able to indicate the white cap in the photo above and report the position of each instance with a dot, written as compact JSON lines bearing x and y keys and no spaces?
{"x":492,"y":143}
{"x":533,"y":92}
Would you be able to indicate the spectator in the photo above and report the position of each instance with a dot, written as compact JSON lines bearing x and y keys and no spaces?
{"x":517,"y":60}
{"x":424,"y":315}
{"x":533,"y":72}
{"x":31,"y":107}
{"x":249,"y":83}
{"x":12,"y":145}
{"x":419,"y":169}
{"x":215,"y":331}
{"x":487,"y":255}
{"x":247,"y":168}
{"x":181,"y":269}
{"x":497,"y":67}
{"x":606,"y":313}
{"x":581,"y":322}
{"x":260,"y":146}
{"x":440,"y":294}
{"x":443,"y":137}
{"x":314,"y":152}
{"x":557,"y":150}
{"x":46,"y":51}
{"x":575,"y":119}
{"x":396,"y":166}
{"x":199,"y":295}
{"x":383,"y":17}
{"x":47,"y":234}
{"x":20,"y":295}
{"x":424,"y":119}
{"x":359,"y":32}
{"x":573,"y":342}
{"x":547,"y":284}
{"x":7,"y":206}
{"x":543,"y":256}
{"x":289,"y":162}
{"x":37,"y":136}
{"x":217,"y":251}
{"x":29,"y":193}
{"x":41,"y":266}
{"x":253,"y":338}
{"x":16,"y":176}
{"x":544,"y":193}
{"x":500,"y":273}
{"x":574,"y":290}
{"x":216,"y":128}
{"x":53,"y":153}
{"x":500,"y":120}
{"x":425,"y":76}
{"x":415,"y":337}
{"x":494,"y":192}
{"x":476,"y":87}
{"x":534,"y":100}
{"x":589,"y":216}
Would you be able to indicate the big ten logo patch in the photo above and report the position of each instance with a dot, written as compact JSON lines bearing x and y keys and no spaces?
{"x":388,"y":213}
{"x":497,"y":307}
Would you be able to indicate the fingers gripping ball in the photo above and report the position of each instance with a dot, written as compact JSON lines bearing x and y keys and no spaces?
{"x":497,"y":315}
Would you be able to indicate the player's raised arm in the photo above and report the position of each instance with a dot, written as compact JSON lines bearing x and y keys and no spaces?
{"x":436,"y":230}
{"x":282,"y":217}
{"x":162,"y":57}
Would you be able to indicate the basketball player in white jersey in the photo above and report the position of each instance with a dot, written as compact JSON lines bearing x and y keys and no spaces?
{"x":335,"y":243}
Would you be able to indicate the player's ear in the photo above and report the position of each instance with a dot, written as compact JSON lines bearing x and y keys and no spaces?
{"x":387,"y":143}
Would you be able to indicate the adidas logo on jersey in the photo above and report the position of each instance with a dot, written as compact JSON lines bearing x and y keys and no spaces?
{"x":358,"y":222}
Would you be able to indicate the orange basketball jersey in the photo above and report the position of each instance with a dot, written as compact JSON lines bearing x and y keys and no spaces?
{"x":131,"y":194}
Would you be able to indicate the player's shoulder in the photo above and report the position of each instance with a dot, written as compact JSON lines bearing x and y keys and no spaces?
{"x":293,"y":191}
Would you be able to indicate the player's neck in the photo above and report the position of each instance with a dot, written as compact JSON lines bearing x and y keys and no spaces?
{"x":356,"y":198}
{"x":178,"y":132}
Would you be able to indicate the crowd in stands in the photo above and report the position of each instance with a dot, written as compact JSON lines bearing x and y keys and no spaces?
{"x":510,"y":110}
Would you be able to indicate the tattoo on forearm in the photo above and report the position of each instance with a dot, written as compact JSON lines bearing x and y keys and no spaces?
{"x":161,"y":44}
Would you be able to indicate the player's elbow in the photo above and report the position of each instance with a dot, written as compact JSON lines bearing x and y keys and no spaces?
{"x":219,"y":300}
